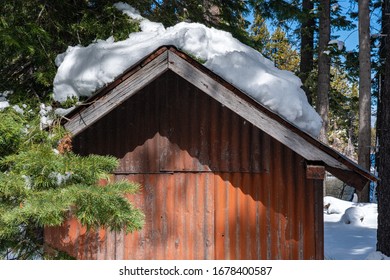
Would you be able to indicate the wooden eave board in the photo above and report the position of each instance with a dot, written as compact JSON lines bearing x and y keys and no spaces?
{"x":170,"y":58}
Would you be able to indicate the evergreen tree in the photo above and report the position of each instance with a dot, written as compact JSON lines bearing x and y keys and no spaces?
{"x":42,"y":183}
{"x":34,"y":32}
{"x":282,"y":54}
{"x":276,"y":47}
{"x":343,"y":113}
{"x":227,"y":15}
{"x":307,"y":28}
{"x":260,"y":35}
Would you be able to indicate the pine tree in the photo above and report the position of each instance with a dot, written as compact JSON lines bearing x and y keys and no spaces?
{"x":260,"y":35}
{"x":33,"y":33}
{"x":343,"y":114}
{"x":282,"y":54}
{"x":42,"y":183}
{"x":276,"y":47}
{"x":307,"y":28}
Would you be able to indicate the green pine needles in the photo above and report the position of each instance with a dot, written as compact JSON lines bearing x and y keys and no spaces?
{"x":40,"y":187}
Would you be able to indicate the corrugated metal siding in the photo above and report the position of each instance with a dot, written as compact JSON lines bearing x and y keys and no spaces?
{"x":204,"y":216}
{"x":168,"y":128}
{"x":215,"y":187}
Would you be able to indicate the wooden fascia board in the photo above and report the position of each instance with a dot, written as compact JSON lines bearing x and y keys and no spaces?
{"x":127,"y":87}
{"x":301,"y":144}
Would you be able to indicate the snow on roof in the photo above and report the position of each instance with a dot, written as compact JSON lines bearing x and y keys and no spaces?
{"x":83,"y":70}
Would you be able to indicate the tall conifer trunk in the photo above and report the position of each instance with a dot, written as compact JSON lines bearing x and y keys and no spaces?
{"x":322,"y":105}
{"x":383,"y":134}
{"x":364,"y":140}
{"x":307,"y":45}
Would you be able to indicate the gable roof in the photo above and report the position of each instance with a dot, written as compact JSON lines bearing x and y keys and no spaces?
{"x":169,"y":58}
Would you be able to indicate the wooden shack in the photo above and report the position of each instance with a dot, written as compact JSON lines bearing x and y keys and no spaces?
{"x":223,"y":177}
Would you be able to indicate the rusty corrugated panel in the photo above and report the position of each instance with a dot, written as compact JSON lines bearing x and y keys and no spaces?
{"x":167,"y":128}
{"x":179,"y":217}
{"x":214,"y":186}
{"x":198,"y":134}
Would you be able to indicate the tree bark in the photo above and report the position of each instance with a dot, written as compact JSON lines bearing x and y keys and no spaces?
{"x":383,"y":136}
{"x":211,"y":12}
{"x":307,"y":45}
{"x":364,"y":140}
{"x":322,"y":104}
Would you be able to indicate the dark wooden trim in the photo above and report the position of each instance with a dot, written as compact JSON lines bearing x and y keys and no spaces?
{"x":319,"y":219}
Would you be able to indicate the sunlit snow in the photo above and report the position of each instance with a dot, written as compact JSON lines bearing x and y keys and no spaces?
{"x":350,"y":230}
{"x":83,"y":70}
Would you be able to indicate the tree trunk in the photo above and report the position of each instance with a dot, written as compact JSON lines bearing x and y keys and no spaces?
{"x":322,"y":104}
{"x":307,"y":45}
{"x":364,"y":140}
{"x":209,"y":11}
{"x":383,"y":189}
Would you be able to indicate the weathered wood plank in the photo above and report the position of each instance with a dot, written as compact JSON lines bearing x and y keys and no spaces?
{"x":119,"y":94}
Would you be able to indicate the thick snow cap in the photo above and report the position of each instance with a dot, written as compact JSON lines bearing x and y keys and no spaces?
{"x":83,"y":70}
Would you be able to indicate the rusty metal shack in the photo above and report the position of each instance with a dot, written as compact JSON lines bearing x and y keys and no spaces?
{"x":223,"y":177}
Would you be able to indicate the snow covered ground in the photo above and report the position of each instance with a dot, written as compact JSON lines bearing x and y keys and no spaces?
{"x":350,"y":234}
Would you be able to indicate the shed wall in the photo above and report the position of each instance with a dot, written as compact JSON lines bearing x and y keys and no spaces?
{"x":214,"y":186}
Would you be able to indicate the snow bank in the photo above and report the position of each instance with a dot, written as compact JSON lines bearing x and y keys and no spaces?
{"x":353,"y":215}
{"x":353,"y":241}
{"x":83,"y":70}
{"x":334,"y":205}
